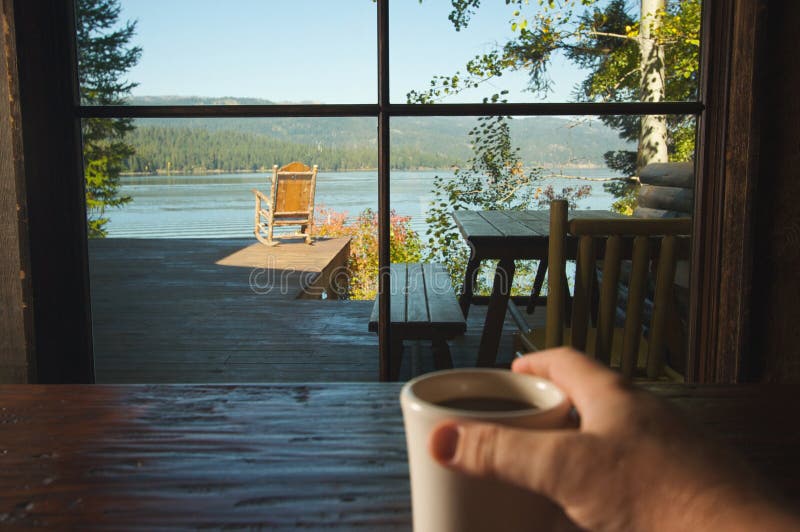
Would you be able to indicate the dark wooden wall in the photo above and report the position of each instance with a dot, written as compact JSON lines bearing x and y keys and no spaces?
{"x":726,"y":170}
{"x":54,"y":187}
{"x":17,"y":356}
{"x":774,"y":351}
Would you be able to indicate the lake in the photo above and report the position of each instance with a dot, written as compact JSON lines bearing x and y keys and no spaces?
{"x":221,"y":206}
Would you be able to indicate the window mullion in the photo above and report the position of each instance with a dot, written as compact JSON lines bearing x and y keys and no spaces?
{"x":384,"y":258}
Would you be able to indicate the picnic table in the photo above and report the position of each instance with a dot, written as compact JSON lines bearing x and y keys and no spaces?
{"x":274,"y":456}
{"x":506,"y":236}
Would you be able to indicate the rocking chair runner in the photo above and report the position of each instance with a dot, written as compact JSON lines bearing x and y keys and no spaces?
{"x":291,"y":202}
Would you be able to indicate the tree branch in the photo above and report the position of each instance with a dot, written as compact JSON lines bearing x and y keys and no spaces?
{"x":612,"y":35}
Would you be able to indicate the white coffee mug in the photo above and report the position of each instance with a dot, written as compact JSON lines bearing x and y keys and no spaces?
{"x":449,"y":501}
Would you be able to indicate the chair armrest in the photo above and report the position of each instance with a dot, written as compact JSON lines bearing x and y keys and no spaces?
{"x":263,"y":197}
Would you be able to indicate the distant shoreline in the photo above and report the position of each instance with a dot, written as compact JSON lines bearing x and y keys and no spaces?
{"x":265,"y":171}
{"x":195,"y":172}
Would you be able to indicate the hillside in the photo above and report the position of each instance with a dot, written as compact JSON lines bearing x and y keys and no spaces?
{"x":347,"y":143}
{"x":198,"y":150}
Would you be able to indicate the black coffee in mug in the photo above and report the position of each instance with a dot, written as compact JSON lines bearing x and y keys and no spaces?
{"x":486,"y":404}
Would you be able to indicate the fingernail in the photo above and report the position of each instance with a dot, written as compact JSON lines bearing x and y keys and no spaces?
{"x":519,"y":364}
{"x":445,"y":443}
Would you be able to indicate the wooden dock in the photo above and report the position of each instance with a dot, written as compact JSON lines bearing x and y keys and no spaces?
{"x":186,"y":311}
{"x":292,"y":269}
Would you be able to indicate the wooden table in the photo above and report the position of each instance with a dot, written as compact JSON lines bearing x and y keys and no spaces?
{"x":273,"y":456}
{"x":507,"y":236}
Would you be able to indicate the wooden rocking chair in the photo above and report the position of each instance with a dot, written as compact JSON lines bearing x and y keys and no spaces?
{"x":291,"y":202}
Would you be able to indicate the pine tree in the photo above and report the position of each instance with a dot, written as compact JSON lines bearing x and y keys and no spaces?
{"x":104,"y":56}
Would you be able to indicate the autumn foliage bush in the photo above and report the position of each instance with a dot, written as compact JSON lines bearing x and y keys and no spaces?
{"x":361,"y":281}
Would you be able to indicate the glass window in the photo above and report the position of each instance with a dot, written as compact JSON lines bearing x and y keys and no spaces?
{"x":533,"y":52}
{"x":157,"y":184}
{"x":206,"y":52}
{"x":181,"y":289}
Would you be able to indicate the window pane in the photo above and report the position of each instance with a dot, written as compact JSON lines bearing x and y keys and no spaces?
{"x":443,"y":167}
{"x":182,"y":291}
{"x":546,"y":52}
{"x":238,"y":52}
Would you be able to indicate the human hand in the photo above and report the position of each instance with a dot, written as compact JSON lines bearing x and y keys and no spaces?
{"x":633,"y":464}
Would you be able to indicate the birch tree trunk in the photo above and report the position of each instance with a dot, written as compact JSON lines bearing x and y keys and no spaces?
{"x":653,"y":135}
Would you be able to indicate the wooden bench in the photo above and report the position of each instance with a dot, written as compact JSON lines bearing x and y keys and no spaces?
{"x":423,"y":307}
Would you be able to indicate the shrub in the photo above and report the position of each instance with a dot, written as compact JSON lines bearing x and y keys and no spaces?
{"x":362,"y":265}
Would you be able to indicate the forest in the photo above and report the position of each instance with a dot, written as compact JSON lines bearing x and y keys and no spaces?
{"x":198,"y":150}
{"x":345,"y":143}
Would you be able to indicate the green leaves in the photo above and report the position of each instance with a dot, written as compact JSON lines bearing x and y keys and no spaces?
{"x":494,"y":178}
{"x":599,"y":37}
{"x":362,"y":265}
{"x":521,"y":25}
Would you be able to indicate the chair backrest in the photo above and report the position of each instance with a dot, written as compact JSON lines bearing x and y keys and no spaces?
{"x":293,"y":188}
{"x":612,"y":240}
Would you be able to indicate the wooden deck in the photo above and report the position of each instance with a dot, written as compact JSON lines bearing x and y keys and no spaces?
{"x":186,"y":311}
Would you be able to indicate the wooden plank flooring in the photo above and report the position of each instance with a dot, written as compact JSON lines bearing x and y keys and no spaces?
{"x":184,"y":311}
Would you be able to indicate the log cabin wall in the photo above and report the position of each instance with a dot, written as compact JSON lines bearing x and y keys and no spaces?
{"x":17,"y":356}
{"x":774,"y":350}
{"x":667,"y":190}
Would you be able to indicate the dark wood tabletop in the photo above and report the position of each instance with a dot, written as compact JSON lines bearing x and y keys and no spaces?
{"x":507,"y":236}
{"x":512,"y":234}
{"x":273,"y":456}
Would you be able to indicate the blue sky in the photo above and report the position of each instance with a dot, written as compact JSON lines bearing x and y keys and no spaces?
{"x":313,"y":51}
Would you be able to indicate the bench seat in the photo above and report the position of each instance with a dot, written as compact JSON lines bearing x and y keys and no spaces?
{"x":423,"y":307}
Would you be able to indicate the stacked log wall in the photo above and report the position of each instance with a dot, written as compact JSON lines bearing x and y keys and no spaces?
{"x":667,"y":191}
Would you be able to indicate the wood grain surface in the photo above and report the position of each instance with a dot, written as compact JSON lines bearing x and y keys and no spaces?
{"x":423,"y":303}
{"x":203,"y":457}
{"x":17,"y":361}
{"x":668,"y":174}
{"x":725,"y":191}
{"x":666,"y":198}
{"x":773,"y":354}
{"x":273,"y":456}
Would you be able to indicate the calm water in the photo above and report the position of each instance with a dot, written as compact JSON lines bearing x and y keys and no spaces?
{"x":222,"y":205}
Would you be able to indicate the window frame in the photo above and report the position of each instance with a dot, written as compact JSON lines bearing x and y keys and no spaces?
{"x":383,"y":111}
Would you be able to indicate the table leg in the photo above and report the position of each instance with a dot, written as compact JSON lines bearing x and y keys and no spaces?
{"x":415,"y":359}
{"x":538,"y":282}
{"x":595,"y":296}
{"x":470,"y":277}
{"x":441,"y":354}
{"x":496,"y":313}
{"x":567,"y":302}
{"x":396,"y":351}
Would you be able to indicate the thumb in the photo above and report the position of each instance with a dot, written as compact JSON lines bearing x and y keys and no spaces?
{"x":549,"y":462}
